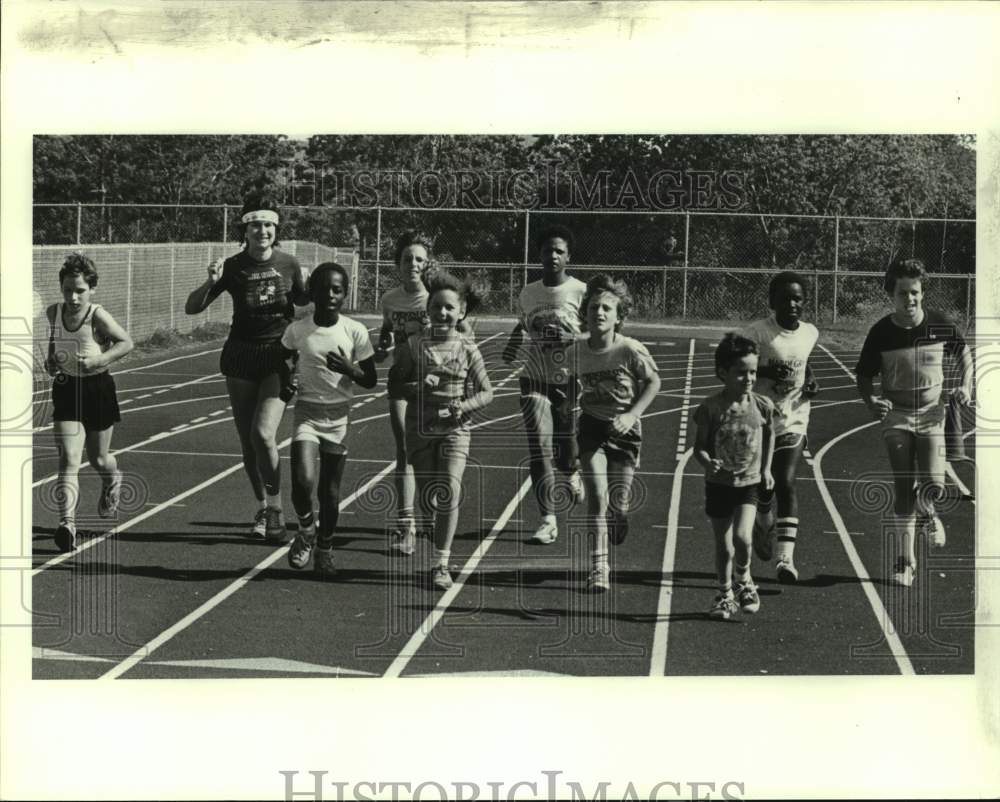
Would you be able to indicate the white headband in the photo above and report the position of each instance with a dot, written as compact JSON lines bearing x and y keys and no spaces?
{"x":262,"y":216}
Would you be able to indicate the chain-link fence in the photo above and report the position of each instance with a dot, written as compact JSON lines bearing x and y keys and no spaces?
{"x":678,"y":265}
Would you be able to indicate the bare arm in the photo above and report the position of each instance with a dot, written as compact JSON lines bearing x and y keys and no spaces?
{"x":711,"y":466}
{"x":401,"y":374}
{"x":513,"y":343}
{"x":108,"y":328}
{"x":199,"y":300}
{"x":481,"y":381}
{"x":879,"y":407}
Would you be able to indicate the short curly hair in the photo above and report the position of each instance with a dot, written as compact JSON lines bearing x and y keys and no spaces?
{"x":465,"y":289}
{"x":783,"y":278}
{"x":328,"y":267}
{"x":77,"y":264}
{"x":603,"y":283}
{"x":553,"y":232}
{"x":904,"y":268}
{"x":732,"y":347}
{"x":413,"y":237}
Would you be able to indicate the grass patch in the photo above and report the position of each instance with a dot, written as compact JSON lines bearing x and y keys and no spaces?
{"x":164,"y":338}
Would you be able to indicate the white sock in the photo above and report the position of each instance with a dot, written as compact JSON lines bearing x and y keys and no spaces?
{"x":549,"y":519}
{"x":274,"y":501}
{"x":441,"y":557}
{"x":262,"y":504}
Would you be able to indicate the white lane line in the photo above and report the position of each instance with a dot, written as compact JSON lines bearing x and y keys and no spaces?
{"x":199,"y":380}
{"x":685,"y":407}
{"x":140,"y":397}
{"x":881,"y":614}
{"x":154,"y":439}
{"x":409,"y":651}
{"x":160,"y":405}
{"x":153,"y":365}
{"x":143,"y":652}
{"x":91,"y":542}
{"x":658,"y":655}
{"x":832,"y":356}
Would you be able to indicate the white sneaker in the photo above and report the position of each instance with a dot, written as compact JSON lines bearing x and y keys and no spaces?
{"x":441,"y":578}
{"x":599,"y":580}
{"x":274,"y":528}
{"x":786,"y":571}
{"x":934,"y":532}
{"x":546,"y":533}
{"x":259,"y":529}
{"x":576,"y":485}
{"x":404,"y":539}
{"x":903,"y":572}
{"x":302,"y":547}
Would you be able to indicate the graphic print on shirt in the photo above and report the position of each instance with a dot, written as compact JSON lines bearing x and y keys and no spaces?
{"x":787,"y":376}
{"x":607,"y":387}
{"x":408,"y":322}
{"x":737,"y":443}
{"x":551,"y":324}
{"x":263,"y":289}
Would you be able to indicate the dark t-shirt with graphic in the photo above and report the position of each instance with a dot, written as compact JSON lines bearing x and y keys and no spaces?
{"x":262,"y":294}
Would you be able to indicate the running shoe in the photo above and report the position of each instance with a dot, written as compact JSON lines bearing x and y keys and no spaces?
{"x":546,"y":533}
{"x":786,"y":571}
{"x":577,"y":488}
{"x":617,"y":528}
{"x":323,"y":563}
{"x":599,"y":580}
{"x":441,"y":578}
{"x":747,"y":596}
{"x":723,"y":607}
{"x":763,"y":535}
{"x":259,"y":529}
{"x":302,"y":547}
{"x":404,"y":538}
{"x":934,"y":532}
{"x":65,"y":537}
{"x":903,"y":572}
{"x":107,"y":505}
{"x":275,"y":531}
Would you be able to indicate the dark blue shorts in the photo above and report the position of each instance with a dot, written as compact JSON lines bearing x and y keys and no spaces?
{"x":594,"y":434}
{"x":91,"y":400}
{"x":722,"y":500}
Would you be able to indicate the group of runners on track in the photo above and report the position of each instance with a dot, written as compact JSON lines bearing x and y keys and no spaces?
{"x":584,"y":386}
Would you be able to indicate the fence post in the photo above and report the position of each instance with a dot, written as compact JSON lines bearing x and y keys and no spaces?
{"x":687,"y":240}
{"x":173,"y":302}
{"x":208,"y":309}
{"x":378,"y":250}
{"x":128,"y":293}
{"x":527,"y":241}
{"x":836,"y":265}
{"x":225,"y":223}
{"x":968,"y":301}
{"x":816,"y":294}
{"x":79,"y":222}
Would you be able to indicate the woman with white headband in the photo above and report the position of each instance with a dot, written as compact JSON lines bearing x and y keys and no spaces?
{"x":263,"y":283}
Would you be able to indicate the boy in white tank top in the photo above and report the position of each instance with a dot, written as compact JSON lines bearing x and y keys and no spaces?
{"x":84,"y":339}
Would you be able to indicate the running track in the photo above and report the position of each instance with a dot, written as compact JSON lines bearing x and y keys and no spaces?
{"x":174,"y":589}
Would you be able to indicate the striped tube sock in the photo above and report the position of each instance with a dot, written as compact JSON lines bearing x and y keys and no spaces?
{"x":599,"y":558}
{"x":307,"y":520}
{"x":742,"y":573}
{"x":787,"y":530}
{"x":441,"y":557}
